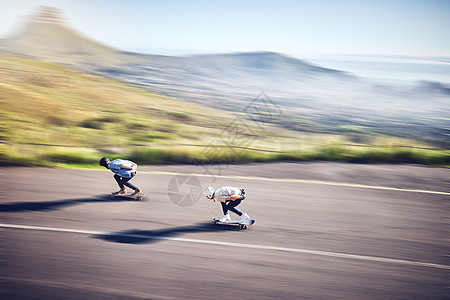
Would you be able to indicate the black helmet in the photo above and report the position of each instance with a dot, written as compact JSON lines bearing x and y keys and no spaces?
{"x":104,"y":162}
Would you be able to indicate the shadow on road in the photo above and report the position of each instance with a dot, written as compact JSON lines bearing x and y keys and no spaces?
{"x":55,"y":205}
{"x":153,"y":236}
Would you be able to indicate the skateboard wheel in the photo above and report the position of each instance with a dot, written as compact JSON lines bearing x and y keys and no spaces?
{"x":243,"y":226}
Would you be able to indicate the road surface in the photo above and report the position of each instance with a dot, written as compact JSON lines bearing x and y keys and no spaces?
{"x":322,"y":231}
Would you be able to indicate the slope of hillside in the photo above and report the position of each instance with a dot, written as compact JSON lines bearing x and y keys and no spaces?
{"x":38,"y":92}
{"x":51,"y":114}
{"x":46,"y":33}
{"x":44,"y":104}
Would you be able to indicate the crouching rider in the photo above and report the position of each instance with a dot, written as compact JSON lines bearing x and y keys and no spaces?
{"x":124,"y":171}
{"x":229,"y":197}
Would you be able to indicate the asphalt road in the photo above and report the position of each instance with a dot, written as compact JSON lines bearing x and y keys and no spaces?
{"x":322,"y":231}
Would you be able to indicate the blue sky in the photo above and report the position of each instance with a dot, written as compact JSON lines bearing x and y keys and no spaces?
{"x":293,"y":27}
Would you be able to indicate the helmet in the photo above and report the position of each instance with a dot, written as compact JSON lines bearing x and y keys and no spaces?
{"x":208,"y":192}
{"x":104,"y":162}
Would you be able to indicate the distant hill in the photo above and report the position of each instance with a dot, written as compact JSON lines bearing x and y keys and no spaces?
{"x":305,"y":93}
{"x":48,"y":36}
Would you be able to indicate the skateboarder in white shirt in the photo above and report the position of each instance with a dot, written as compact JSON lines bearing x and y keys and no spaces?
{"x":229,"y":197}
{"x":124,"y":171}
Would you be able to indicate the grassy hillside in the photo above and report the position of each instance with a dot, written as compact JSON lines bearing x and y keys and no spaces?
{"x":51,"y":115}
{"x":49,"y":111}
{"x":50,"y":104}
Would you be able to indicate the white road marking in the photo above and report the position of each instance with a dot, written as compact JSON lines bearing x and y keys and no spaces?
{"x":304,"y":181}
{"x":238,"y":245}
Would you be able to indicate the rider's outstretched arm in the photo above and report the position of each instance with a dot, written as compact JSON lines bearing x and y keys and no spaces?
{"x":127,"y":167}
{"x":234,"y":197}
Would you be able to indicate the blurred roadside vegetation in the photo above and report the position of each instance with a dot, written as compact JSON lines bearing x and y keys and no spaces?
{"x":52,"y":115}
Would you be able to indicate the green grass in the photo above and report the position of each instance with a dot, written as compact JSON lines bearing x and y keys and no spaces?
{"x":88,"y":158}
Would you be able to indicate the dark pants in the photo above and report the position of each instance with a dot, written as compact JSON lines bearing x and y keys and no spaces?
{"x":122,"y":182}
{"x":231,"y":206}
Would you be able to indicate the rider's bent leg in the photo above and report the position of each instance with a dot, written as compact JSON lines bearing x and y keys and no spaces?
{"x":224,"y":208}
{"x":232,"y":207}
{"x":122,"y":182}
{"x":119,"y":181}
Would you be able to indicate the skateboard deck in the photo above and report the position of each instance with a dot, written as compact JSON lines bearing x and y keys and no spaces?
{"x":242,"y":225}
{"x":137,"y":197}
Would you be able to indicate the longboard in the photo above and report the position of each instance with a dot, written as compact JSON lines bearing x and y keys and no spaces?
{"x":137,"y":197}
{"x":242,"y":225}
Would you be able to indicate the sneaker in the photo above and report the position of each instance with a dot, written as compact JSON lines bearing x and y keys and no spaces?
{"x":225,"y":218}
{"x":121,"y":192}
{"x":244,"y":217}
{"x":137,"y":191}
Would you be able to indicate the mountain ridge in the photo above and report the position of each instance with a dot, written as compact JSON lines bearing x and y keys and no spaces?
{"x":231,"y":81}
{"x":47,"y":35}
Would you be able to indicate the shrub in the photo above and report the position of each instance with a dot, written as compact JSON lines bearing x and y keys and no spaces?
{"x":70,"y":157}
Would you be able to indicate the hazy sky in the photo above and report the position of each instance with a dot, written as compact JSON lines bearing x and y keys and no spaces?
{"x":405,"y":27}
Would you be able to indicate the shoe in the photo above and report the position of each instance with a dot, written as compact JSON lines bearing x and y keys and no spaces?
{"x":121,"y":192}
{"x":225,"y":218}
{"x":137,"y":191}
{"x":244,"y":218}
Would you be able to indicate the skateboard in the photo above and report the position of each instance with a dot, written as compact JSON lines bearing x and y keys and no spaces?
{"x":137,"y":197}
{"x":242,"y":225}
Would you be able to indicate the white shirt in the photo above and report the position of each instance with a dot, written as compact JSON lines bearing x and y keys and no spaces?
{"x":226,"y":191}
